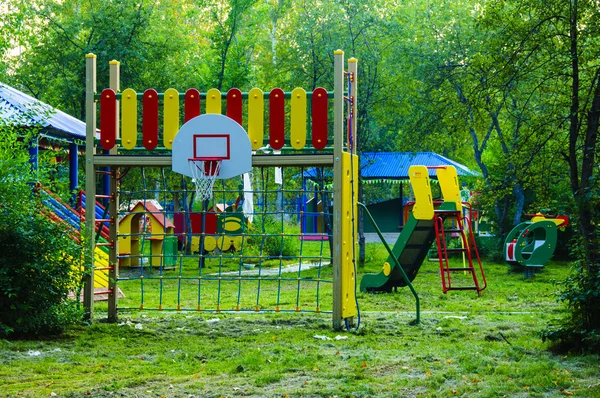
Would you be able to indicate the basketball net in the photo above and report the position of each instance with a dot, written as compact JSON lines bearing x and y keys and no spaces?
{"x":204,"y":173}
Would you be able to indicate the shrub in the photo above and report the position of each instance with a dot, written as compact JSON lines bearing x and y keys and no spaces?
{"x":37,"y":256}
{"x":273,"y":243}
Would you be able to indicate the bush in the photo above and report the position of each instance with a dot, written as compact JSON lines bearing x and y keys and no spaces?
{"x":37,"y":256}
{"x":272,"y":243}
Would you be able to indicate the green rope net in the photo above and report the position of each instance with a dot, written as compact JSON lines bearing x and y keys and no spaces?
{"x":261,"y":244}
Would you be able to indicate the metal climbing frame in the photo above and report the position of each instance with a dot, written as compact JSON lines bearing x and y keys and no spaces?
{"x":111,"y":152}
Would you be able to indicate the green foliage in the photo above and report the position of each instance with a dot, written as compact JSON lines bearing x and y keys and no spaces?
{"x":37,"y":256}
{"x":268,"y":237}
{"x":579,"y":330}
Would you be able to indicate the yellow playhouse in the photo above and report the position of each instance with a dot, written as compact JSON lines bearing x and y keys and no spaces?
{"x":146,"y":223}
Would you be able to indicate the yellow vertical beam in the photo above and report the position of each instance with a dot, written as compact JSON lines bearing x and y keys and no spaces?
{"x":90,"y":184}
{"x":171,"y":117}
{"x":256,"y":118}
{"x":349,"y":233}
{"x":298,"y":118}
{"x":129,"y":119}
{"x":338,"y":144}
{"x":213,"y":101}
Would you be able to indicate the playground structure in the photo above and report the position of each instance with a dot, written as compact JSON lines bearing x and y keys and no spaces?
{"x":158,"y":156}
{"x":531,"y":244}
{"x":60,"y":211}
{"x":223,"y":229}
{"x":144,"y":218}
{"x":425,"y":225}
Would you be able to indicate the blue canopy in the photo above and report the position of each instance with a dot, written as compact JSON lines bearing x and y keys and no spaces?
{"x":20,"y":109}
{"x":394,"y":165}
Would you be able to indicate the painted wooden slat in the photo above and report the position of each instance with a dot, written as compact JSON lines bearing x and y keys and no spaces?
{"x":150,"y":119}
{"x":276,"y":118}
{"x":192,"y":104}
{"x":298,"y":118}
{"x":213,"y":101}
{"x":319,"y":114}
{"x":234,"y":105}
{"x":171,"y":117}
{"x":108,"y":118}
{"x":256,"y":117}
{"x":129,"y":119}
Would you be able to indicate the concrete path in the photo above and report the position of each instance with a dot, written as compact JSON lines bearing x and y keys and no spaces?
{"x":275,"y":271}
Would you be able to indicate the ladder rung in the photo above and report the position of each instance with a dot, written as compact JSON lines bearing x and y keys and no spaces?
{"x":110,"y":173}
{"x":463,"y":288}
{"x":104,"y":196}
{"x":110,"y":291}
{"x":104,"y":220}
{"x":105,"y":244}
{"x":458,"y":250}
{"x":460,"y":269}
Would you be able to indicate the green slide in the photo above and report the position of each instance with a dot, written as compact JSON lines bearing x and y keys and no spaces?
{"x":410,"y":249}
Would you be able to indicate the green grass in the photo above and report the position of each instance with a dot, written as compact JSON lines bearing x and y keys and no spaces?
{"x":466,"y":346}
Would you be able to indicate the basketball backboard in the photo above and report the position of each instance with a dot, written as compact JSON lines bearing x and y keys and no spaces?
{"x":212,"y":136}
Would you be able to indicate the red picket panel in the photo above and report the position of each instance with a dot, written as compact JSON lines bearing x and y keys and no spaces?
{"x":234,"y":105}
{"x":276,"y":118}
{"x":192,"y":104}
{"x":108,"y":118}
{"x":319,"y":118}
{"x":150,"y":119}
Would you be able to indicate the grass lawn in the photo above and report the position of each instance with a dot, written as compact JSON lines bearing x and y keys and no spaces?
{"x":465,"y":346}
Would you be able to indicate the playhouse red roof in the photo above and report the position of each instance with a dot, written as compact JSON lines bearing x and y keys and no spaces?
{"x":155,"y":212}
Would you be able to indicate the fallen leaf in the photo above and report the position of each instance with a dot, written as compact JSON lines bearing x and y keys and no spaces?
{"x":364,"y":364}
{"x":428,"y":373}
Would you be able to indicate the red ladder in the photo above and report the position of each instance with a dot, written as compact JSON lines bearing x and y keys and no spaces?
{"x":468,"y":248}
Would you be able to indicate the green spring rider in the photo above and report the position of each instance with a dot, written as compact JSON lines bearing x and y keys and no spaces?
{"x":532,"y":243}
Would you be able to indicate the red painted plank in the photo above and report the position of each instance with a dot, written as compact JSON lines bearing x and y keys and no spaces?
{"x":150,"y":119}
{"x":319,"y":118}
{"x":192,"y":104}
{"x":276,"y":118}
{"x":234,"y":105}
{"x":108,"y":118}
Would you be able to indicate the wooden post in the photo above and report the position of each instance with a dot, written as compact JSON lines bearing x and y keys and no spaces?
{"x":338,"y":146}
{"x":113,"y":206}
{"x":353,"y":69}
{"x":90,"y":185}
{"x":113,"y":257}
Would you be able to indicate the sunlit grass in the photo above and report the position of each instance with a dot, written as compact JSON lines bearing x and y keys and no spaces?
{"x":465,"y":345}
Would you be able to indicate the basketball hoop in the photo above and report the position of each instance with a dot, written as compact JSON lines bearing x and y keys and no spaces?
{"x":204,"y":171}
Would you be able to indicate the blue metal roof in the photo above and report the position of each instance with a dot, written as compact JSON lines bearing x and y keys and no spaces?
{"x":394,"y":165}
{"x":20,"y":109}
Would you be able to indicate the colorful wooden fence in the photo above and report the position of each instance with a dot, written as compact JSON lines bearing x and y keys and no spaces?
{"x":302,"y":106}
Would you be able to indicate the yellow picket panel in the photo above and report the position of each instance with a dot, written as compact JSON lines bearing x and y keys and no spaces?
{"x":256,"y":117}
{"x":213,"y":101}
{"x":129,"y":119}
{"x":298,"y":118}
{"x":419,"y":179}
{"x":448,"y":179}
{"x":171,"y":117}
